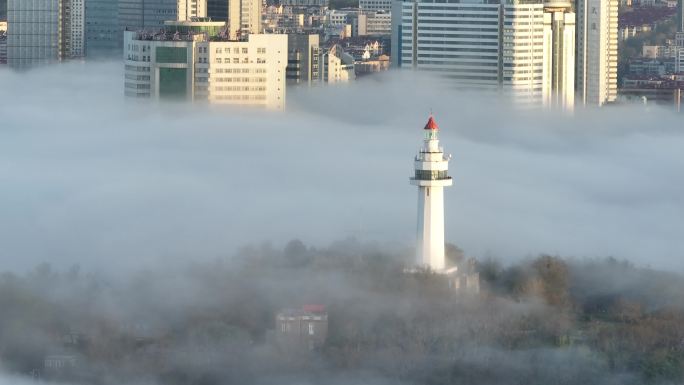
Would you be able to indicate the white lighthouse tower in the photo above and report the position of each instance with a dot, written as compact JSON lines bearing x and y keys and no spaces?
{"x":431,"y":177}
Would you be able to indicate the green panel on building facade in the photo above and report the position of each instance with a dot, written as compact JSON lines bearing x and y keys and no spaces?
{"x":173,"y":83}
{"x":172,"y":55}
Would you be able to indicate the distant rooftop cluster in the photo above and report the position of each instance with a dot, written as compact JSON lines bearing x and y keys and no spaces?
{"x":655,"y":82}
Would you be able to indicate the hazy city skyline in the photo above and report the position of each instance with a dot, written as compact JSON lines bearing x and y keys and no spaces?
{"x":218,"y":192}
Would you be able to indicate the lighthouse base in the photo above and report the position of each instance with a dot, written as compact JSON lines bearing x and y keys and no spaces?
{"x":430,"y":245}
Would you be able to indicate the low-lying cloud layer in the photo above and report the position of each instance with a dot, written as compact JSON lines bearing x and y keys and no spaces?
{"x":92,"y":178}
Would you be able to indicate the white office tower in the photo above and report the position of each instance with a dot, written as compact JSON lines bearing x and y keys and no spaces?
{"x":559,"y":55}
{"x":476,"y":44}
{"x":188,"y":9}
{"x":455,"y":39}
{"x":597,"y":51}
{"x":431,"y":176}
{"x":522,"y":52}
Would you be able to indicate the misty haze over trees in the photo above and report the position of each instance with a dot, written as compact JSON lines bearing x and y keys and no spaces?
{"x":546,"y":320}
{"x":152,"y":200}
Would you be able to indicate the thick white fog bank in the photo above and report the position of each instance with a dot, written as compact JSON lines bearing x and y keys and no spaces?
{"x":89,"y":177}
{"x":12,"y":380}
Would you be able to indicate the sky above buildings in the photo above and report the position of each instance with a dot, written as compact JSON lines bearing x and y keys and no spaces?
{"x":91,"y":178}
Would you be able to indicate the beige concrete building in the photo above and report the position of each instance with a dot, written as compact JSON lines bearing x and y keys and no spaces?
{"x":244,"y":17}
{"x":190,"y":66}
{"x":336,"y":65}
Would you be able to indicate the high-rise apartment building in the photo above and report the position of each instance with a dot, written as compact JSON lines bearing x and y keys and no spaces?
{"x":191,"y":66}
{"x":559,"y":51}
{"x":522,"y":52}
{"x":187,"y":9}
{"x":478,"y":44}
{"x":597,"y":51}
{"x":44,"y":31}
{"x":303,"y":58}
{"x":73,"y":12}
{"x":250,"y":16}
{"x":680,"y":15}
{"x":103,"y":37}
{"x":3,"y":47}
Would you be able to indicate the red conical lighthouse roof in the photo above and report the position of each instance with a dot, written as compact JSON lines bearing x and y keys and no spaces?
{"x":431,"y":124}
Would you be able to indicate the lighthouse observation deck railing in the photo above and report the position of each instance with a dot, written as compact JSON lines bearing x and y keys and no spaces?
{"x":431,"y":175}
{"x":423,"y":150}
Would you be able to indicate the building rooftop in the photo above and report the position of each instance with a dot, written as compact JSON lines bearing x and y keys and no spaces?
{"x":195,"y":22}
{"x":167,"y":35}
{"x":669,"y":82}
{"x":306,"y":310}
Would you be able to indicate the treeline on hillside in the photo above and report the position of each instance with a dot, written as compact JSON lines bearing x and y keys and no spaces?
{"x":543,"y":321}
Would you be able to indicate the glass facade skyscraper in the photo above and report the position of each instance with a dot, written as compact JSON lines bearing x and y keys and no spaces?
{"x":146,"y":14}
{"x":33,"y":33}
{"x":103,"y":34}
{"x":217,"y":10}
